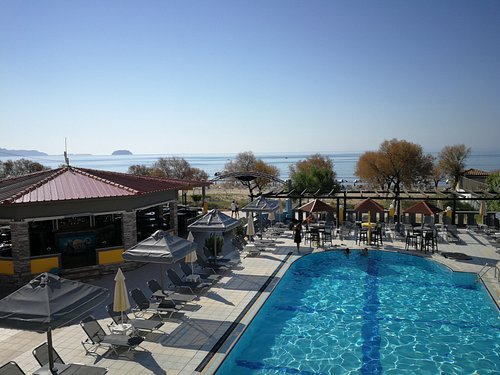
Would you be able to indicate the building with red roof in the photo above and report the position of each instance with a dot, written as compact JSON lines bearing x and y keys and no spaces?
{"x":75,"y":217}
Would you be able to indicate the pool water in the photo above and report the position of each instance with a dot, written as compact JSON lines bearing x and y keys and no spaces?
{"x":385,"y":313}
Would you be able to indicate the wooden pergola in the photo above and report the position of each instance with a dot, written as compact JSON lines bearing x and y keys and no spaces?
{"x":344,"y":195}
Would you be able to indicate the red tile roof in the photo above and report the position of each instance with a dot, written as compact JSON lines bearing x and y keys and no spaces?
{"x":476,"y":172}
{"x":69,"y":183}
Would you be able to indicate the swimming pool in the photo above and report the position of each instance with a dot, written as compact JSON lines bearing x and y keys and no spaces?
{"x":384,"y":313}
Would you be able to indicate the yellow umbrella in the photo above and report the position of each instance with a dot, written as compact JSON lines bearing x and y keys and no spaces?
{"x":121,"y":302}
{"x":192,"y":256}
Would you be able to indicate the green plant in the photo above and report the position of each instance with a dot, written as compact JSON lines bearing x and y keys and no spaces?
{"x":196,"y":197}
{"x":214,"y":242}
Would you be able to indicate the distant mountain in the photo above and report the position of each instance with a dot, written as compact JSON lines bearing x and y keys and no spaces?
{"x":121,"y":152}
{"x":5,"y":152}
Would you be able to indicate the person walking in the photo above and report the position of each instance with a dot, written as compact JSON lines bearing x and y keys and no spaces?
{"x":297,"y":235}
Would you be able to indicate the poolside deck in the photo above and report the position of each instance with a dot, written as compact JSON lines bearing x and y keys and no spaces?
{"x":192,"y":343}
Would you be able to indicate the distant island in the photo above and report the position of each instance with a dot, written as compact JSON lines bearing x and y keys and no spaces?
{"x":6,"y":152}
{"x":121,"y":152}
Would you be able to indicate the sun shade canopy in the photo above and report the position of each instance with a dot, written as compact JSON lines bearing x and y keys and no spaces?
{"x":261,"y":204}
{"x":160,"y":247}
{"x":214,"y":221}
{"x":423,"y":208}
{"x":316,"y":205}
{"x":369,"y":205}
{"x":49,"y":301}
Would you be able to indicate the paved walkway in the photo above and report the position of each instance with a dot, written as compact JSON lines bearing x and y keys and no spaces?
{"x":187,"y":344}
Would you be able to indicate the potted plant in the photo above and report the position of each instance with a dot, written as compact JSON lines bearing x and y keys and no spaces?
{"x":214,"y":243}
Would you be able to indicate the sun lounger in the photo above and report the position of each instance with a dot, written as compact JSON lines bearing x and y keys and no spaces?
{"x":41,"y":354}
{"x":178,"y":298}
{"x":11,"y":368}
{"x":218,"y":259}
{"x":204,"y":262}
{"x":98,"y":338}
{"x":193,"y":287}
{"x":137,"y":324}
{"x":160,"y":309}
{"x":205,"y":277}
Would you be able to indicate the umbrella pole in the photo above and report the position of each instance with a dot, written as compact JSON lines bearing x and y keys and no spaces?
{"x":162,"y":277}
{"x":51,"y":352}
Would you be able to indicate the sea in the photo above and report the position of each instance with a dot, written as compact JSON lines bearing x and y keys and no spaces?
{"x":344,"y":162}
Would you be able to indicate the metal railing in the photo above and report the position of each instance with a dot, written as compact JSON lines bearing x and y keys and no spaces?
{"x":484,"y":270}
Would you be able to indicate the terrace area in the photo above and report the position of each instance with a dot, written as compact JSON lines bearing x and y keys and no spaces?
{"x":196,"y":340}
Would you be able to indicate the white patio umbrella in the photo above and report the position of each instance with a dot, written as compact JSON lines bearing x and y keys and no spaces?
{"x":271,"y":217}
{"x":482,"y":211}
{"x":250,"y":226}
{"x":191,"y":257}
{"x":121,"y":302}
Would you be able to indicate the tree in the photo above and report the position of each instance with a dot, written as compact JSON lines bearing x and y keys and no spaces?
{"x":20,"y":167}
{"x":451,"y":160}
{"x":397,"y":163}
{"x":437,"y":173}
{"x":140,"y":170}
{"x":247,"y":162}
{"x":171,"y":167}
{"x":315,"y":173}
{"x":493,"y":182}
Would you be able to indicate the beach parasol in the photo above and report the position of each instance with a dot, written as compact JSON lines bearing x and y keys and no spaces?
{"x":482,"y":211}
{"x":215,"y":222}
{"x":121,"y":302}
{"x":260,"y":205}
{"x":161,"y":248}
{"x":250,"y":226}
{"x":191,"y":257}
{"x":48,"y":302}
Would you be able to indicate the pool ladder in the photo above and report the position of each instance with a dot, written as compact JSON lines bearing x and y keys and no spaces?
{"x":483,"y":271}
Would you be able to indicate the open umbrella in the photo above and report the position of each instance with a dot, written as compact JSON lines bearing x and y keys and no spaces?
{"x":191,"y":257}
{"x":48,"y":302}
{"x":215,"y":222}
{"x":121,"y":302}
{"x":260,"y":205}
{"x":161,"y":248}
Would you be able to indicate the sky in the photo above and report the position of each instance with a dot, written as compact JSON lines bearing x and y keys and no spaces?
{"x":178,"y":77}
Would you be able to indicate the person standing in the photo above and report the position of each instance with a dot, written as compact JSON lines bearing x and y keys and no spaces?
{"x":236,"y":210}
{"x":297,"y":235}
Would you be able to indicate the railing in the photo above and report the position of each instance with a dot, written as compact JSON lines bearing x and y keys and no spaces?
{"x":483,"y":271}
